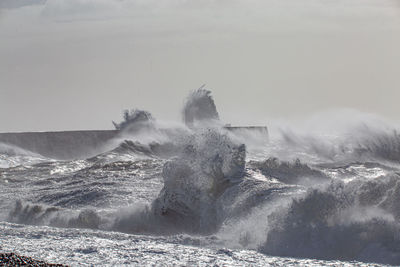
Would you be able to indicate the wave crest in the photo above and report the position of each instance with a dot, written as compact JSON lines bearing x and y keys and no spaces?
{"x":334,"y":223}
{"x":193,"y":181}
{"x":36,"y":214}
{"x":200,"y":108}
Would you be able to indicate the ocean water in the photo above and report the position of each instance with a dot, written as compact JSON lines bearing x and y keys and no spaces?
{"x":200,"y":194}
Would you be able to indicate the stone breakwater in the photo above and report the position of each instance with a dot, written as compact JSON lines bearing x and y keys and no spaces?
{"x":63,"y":145}
{"x":12,"y":259}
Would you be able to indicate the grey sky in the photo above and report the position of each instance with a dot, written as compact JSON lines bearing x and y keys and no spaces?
{"x":75,"y":64}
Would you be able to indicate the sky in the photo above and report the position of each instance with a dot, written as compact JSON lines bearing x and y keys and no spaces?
{"x":77,"y":64}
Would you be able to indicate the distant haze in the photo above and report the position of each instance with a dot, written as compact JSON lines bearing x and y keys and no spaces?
{"x":76,"y":64}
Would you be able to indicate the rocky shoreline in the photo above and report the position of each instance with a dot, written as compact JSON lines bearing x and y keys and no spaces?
{"x":12,"y":259}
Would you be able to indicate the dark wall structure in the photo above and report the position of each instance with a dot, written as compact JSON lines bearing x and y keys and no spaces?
{"x":61,"y":145}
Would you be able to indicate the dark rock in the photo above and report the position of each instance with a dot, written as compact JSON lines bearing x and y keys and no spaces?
{"x":12,"y":259}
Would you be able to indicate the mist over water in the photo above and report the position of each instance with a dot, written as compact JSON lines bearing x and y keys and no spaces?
{"x":326,"y":190}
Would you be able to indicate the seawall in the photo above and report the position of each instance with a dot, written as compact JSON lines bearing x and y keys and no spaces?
{"x":61,"y":145}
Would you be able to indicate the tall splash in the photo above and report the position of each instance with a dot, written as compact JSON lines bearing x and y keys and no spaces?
{"x":134,"y":120}
{"x":200,"y":108}
{"x":194,"y":181}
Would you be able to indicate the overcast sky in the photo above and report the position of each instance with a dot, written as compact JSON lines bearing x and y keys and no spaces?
{"x":76,"y":64}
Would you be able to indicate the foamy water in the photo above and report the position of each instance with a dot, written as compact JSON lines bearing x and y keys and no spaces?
{"x":202,"y":195}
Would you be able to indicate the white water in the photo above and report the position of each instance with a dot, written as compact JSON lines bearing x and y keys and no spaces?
{"x":204,"y":196}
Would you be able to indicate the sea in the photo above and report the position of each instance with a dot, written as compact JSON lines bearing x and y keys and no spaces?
{"x":325,"y":192}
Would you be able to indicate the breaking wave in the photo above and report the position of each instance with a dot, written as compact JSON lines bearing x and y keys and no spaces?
{"x":313,"y":195}
{"x":200,"y":108}
{"x":36,"y":214}
{"x":366,"y":140}
{"x":355,"y":221}
{"x":289,"y":172}
{"x":11,"y":156}
{"x":135,"y":120}
{"x":194,"y":180}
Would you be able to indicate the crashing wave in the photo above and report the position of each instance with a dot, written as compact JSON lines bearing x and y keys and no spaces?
{"x":200,"y":109}
{"x":135,"y":120}
{"x":36,"y":214}
{"x":359,"y":143}
{"x":193,"y":181}
{"x":280,"y":206}
{"x":130,"y":150}
{"x":11,"y":156}
{"x":289,"y":173}
{"x":355,"y":221}
{"x":379,"y":145}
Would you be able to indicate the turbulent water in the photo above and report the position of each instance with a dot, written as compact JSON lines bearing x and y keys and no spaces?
{"x":208,"y":196}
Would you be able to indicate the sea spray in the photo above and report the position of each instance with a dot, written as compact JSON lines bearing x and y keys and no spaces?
{"x":200,"y":109}
{"x":354,"y":221}
{"x":327,"y":194}
{"x":194,"y":180}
